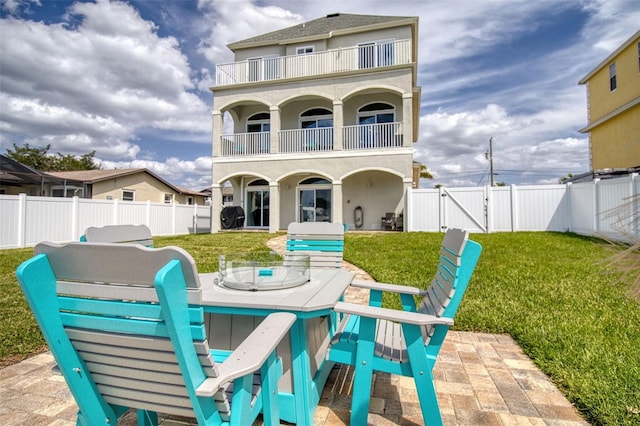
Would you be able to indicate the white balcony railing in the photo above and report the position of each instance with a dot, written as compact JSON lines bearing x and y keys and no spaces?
{"x":245,"y":144}
{"x":374,"y":55}
{"x":359,"y":137}
{"x":372,"y":136}
{"x":306,"y":140}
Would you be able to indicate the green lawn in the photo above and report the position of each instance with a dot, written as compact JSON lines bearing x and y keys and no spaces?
{"x":552,"y":292}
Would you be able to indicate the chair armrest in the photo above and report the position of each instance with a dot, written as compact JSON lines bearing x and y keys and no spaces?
{"x":251,"y":353}
{"x":390,"y":314}
{"x":393,"y":288}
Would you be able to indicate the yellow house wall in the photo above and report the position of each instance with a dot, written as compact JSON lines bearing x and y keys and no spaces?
{"x":616,"y":143}
{"x":146,"y":188}
{"x":602,"y":101}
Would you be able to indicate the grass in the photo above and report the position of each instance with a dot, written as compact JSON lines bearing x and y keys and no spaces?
{"x":551,"y":292}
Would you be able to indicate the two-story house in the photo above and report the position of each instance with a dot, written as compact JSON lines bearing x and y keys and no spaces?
{"x":316,"y":122}
{"x":613,"y":104}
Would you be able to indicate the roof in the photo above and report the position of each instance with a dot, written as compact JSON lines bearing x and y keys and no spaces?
{"x":324,"y":27}
{"x":94,"y":176}
{"x":610,"y":57}
{"x":15,"y":173}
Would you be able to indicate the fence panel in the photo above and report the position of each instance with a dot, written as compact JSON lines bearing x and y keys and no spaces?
{"x":423,"y":211}
{"x":542,"y":208}
{"x":25,"y":220}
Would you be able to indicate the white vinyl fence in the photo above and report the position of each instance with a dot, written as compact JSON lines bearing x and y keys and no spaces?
{"x":594,"y":208}
{"x":25,"y":221}
{"x":598,"y":208}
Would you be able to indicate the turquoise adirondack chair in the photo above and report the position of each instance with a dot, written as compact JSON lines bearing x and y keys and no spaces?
{"x":323,"y":242}
{"x":407,"y":342}
{"x":124,"y":325}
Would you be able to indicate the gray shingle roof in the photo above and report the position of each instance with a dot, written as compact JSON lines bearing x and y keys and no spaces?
{"x":318,"y":27}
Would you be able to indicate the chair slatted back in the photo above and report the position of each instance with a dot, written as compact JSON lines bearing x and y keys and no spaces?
{"x":128,"y":234}
{"x":105,"y":326}
{"x":323,"y":242}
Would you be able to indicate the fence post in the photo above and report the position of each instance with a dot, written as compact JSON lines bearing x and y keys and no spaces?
{"x":22,"y":220}
{"x":75,"y":206}
{"x":514,"y":208}
{"x":442,"y":214}
{"x":116,"y":208}
{"x":488,"y":213}
{"x":596,"y":206}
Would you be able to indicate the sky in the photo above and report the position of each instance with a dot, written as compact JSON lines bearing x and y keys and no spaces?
{"x":130,"y":79}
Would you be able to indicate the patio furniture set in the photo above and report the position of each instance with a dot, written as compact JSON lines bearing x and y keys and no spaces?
{"x":136,"y":327}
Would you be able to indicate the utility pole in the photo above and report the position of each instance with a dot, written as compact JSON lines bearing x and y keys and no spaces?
{"x":489,"y":156}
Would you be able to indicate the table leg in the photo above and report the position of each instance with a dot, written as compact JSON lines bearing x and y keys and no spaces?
{"x":301,"y":368}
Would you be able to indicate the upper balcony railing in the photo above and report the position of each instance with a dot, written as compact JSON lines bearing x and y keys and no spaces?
{"x":359,"y":137}
{"x":365,"y":56}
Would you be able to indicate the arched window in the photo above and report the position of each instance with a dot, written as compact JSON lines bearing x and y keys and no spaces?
{"x":377,"y":113}
{"x":258,"y":123}
{"x":378,"y":128}
{"x":316,"y":117}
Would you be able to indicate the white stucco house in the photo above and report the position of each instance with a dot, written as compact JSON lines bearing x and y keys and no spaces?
{"x":317,"y":122}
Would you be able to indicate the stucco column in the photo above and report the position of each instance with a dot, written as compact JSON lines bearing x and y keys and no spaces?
{"x":337,"y":201}
{"x":407,"y":119}
{"x":216,"y":207}
{"x":274,"y":207}
{"x":338,"y":124}
{"x":275,"y":126}
{"x":407,"y":185}
{"x":216,"y":131}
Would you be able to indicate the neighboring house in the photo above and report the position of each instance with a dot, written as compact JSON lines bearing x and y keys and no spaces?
{"x":317,"y":122}
{"x":613,"y":97}
{"x":16,"y":178}
{"x":125,"y":185}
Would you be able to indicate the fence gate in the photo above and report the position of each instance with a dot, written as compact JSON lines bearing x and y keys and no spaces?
{"x":464,"y":208}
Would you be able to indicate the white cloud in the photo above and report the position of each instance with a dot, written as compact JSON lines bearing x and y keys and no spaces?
{"x":94,"y":80}
{"x":236,"y":20}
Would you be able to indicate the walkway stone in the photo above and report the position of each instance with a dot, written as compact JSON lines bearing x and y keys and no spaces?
{"x":481,"y":379}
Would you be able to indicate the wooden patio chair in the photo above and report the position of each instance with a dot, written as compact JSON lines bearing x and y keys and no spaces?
{"x":124,"y":325}
{"x":404,"y":342}
{"x":128,"y":234}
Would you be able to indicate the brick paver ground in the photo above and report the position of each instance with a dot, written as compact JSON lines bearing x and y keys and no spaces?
{"x":481,"y":379}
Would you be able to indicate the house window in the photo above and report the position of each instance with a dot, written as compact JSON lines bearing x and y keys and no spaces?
{"x":168,"y":198}
{"x":190,"y":201}
{"x":314,"y":200}
{"x":71,"y":191}
{"x":376,"y":54}
{"x":304,"y":50}
{"x":377,"y":129}
{"x":128,"y":195}
{"x":612,"y":77}
{"x":258,"y":123}
{"x":257,"y":211}
{"x":316,"y":117}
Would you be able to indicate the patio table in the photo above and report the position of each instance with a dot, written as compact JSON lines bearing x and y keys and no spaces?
{"x":235,"y":312}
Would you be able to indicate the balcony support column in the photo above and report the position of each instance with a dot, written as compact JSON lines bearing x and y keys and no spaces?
{"x":275,"y":125}
{"x":216,"y":207}
{"x":274,"y":207}
{"x":337,"y":201}
{"x":407,"y":115}
{"x":338,"y":124}
{"x":216,"y":131}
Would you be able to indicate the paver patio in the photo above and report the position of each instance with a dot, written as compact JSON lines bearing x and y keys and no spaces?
{"x":481,"y":379}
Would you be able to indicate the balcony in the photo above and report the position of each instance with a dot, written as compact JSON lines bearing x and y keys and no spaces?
{"x":295,"y":141}
{"x":356,"y":58}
